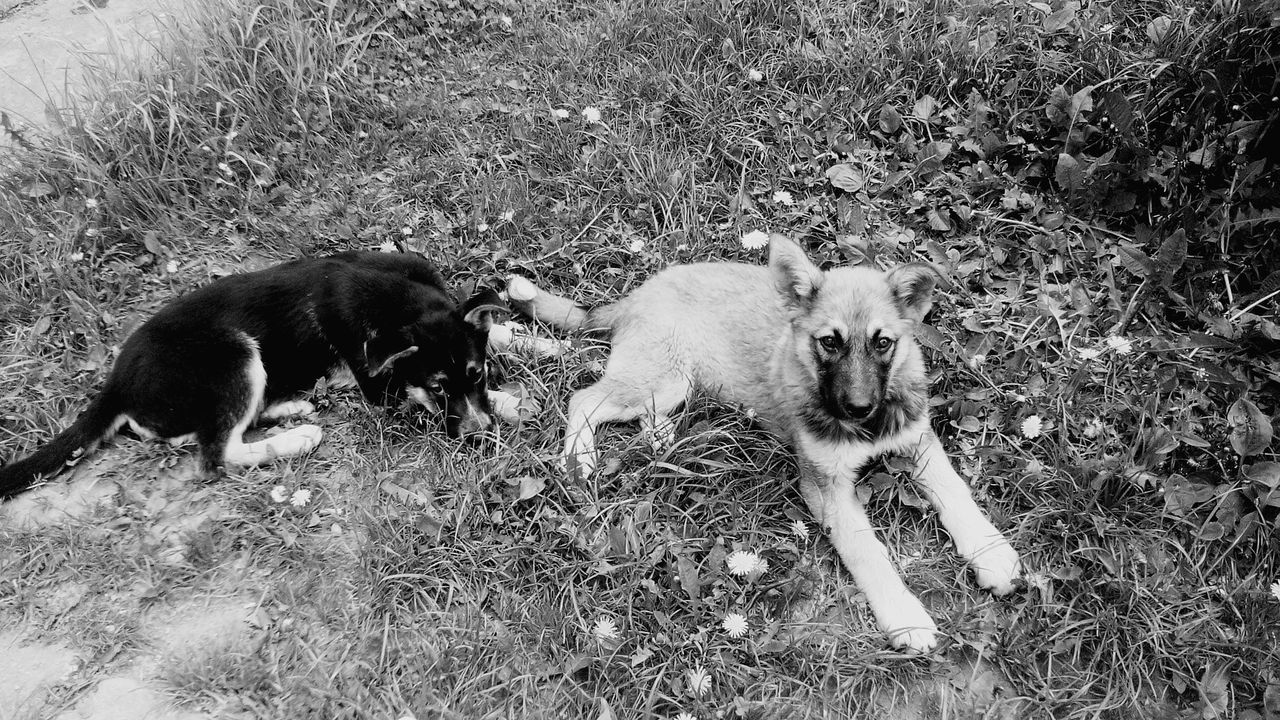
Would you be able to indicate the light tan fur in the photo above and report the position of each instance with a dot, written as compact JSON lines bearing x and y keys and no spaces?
{"x":754,"y":336}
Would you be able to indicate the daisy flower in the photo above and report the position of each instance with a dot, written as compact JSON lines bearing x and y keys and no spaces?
{"x":1032,"y":427}
{"x":636,"y":245}
{"x":1275,"y":589}
{"x":76,"y":256}
{"x":90,"y":203}
{"x":755,"y":75}
{"x":1121,"y":345}
{"x":560,"y":113}
{"x":300,"y":497}
{"x":686,"y":716}
{"x":782,"y":197}
{"x":387,"y":247}
{"x":171,"y":267}
{"x":591,"y":115}
{"x":1094,"y":428}
{"x":1088,"y":354}
{"x":605,"y":629}
{"x":743,"y":562}
{"x":699,"y":681}
{"x":735,"y":624}
{"x":755,"y":240}
{"x":800,"y":529}
{"x":279,"y":493}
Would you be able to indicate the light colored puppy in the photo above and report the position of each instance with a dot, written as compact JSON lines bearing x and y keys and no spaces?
{"x":826,"y":359}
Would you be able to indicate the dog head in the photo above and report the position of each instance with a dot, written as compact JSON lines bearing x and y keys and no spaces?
{"x":853,"y":333}
{"x":440,"y":361}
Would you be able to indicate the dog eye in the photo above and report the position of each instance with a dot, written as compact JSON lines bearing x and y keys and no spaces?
{"x":830,"y":343}
{"x":883,"y":344}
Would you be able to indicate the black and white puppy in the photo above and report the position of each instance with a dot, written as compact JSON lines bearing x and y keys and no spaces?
{"x":212,"y":362}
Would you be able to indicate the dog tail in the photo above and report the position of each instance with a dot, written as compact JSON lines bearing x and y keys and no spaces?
{"x":558,"y":312}
{"x":92,"y":426}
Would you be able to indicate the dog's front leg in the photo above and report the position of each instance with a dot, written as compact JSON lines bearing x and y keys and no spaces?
{"x":993,"y":559}
{"x":899,"y":614}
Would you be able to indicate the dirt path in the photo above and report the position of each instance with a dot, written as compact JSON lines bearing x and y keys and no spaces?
{"x":45,"y":41}
{"x":43,"y":677}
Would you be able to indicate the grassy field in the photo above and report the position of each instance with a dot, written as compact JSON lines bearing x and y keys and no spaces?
{"x":1098,"y":181}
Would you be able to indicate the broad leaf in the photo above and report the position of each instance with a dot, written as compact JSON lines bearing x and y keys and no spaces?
{"x":1068,"y":173}
{"x":846,"y":177}
{"x":1250,"y":429}
{"x":890,"y":120}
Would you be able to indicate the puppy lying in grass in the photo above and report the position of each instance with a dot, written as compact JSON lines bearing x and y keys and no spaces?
{"x":826,"y":359}
{"x":212,"y":362}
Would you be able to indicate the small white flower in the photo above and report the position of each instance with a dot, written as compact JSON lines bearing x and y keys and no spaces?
{"x":171,"y":267}
{"x":300,"y":497}
{"x":76,"y":256}
{"x":800,"y":529}
{"x":636,"y":245}
{"x":1121,"y":345}
{"x":686,"y":716}
{"x":605,"y":629}
{"x":699,"y":681}
{"x":1094,"y":428}
{"x":560,"y":113}
{"x":1088,"y":354}
{"x":1275,"y":589}
{"x":90,"y":203}
{"x":387,"y":247}
{"x":743,"y":562}
{"x":1019,"y":397}
{"x":782,"y":197}
{"x":755,"y":240}
{"x":406,"y":231}
{"x":279,"y":493}
{"x":508,"y":215}
{"x":482,"y":227}
{"x":755,"y":75}
{"x":1032,"y":426}
{"x":591,"y":115}
{"x":735,"y":624}
{"x":682,"y":247}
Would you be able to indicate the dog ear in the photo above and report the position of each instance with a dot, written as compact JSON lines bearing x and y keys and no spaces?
{"x":380,"y":352}
{"x":484,"y":308}
{"x":795,"y":276}
{"x":912,"y":287}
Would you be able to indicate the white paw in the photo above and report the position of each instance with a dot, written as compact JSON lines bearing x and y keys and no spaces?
{"x":520,"y":289}
{"x":907,"y":624}
{"x":921,"y":640}
{"x":288,"y":408}
{"x":578,"y":465}
{"x":296,"y":441}
{"x":997,"y":566}
{"x":660,"y":431}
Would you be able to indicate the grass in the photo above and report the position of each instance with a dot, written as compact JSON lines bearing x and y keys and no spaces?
{"x":1123,"y":295}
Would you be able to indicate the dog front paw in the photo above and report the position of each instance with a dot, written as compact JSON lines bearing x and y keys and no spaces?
{"x":997,"y":568}
{"x":907,"y":624}
{"x":922,"y":639}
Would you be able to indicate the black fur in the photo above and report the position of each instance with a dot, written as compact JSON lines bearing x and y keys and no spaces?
{"x":185,"y":371}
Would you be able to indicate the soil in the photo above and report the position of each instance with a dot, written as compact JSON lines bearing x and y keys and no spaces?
{"x":46,"y":42}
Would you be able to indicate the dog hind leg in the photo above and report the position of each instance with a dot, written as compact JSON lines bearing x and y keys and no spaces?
{"x":223,"y":442}
{"x":614,"y":399}
{"x":993,"y":559}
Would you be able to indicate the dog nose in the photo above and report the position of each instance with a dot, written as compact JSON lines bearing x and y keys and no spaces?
{"x":859,"y":411}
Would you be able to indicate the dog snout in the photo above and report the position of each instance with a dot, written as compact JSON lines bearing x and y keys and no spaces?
{"x":859,"y":410}
{"x":472,"y":419}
